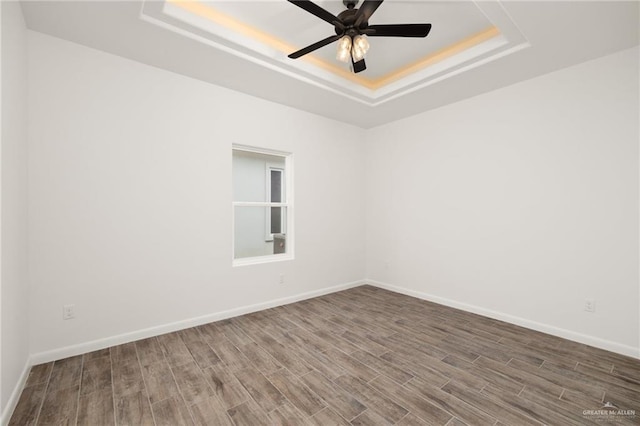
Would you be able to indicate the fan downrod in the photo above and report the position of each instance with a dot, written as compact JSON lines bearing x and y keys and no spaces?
{"x":350,"y":4}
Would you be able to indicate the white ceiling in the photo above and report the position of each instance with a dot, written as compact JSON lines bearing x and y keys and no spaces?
{"x":473,"y":47}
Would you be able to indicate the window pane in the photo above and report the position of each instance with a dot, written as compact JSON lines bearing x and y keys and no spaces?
{"x":276,"y":220}
{"x":252,"y":176}
{"x":252,"y":238}
{"x":276,"y":186}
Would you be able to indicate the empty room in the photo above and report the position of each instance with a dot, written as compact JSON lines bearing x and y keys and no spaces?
{"x":325,"y":212}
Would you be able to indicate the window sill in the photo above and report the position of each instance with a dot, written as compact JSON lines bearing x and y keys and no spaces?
{"x":262,"y":259}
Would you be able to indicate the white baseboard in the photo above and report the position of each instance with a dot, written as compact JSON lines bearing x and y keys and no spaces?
{"x":15,"y":395}
{"x":544,"y":328}
{"x":94,"y":345}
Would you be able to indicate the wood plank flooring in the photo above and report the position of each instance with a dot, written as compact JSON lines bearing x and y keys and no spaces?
{"x":363,"y":356}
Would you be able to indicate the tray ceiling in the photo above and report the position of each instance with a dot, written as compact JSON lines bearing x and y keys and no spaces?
{"x":464,"y":34}
{"x":473,"y":47}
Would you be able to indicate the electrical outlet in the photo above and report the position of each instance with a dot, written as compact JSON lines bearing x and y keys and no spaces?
{"x":68,"y":312}
{"x":281,"y":278}
{"x":590,"y":305}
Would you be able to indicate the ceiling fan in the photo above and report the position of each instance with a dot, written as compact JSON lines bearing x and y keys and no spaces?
{"x":352,"y":28}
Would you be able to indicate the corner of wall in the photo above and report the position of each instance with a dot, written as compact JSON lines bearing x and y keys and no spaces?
{"x":523,"y":322}
{"x":14,"y":397}
{"x":14,"y":344}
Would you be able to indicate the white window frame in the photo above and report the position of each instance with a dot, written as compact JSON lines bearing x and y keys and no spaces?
{"x":287,"y":203}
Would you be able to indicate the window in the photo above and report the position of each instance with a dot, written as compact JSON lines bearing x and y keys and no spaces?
{"x":262,"y":206}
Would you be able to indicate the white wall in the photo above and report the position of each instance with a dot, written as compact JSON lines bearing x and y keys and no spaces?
{"x":130,"y":197}
{"x":13,"y":285}
{"x":519,"y":203}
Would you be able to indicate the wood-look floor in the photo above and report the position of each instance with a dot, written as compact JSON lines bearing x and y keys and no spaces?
{"x":364,"y":356}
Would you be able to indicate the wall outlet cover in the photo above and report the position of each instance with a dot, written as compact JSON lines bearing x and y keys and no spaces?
{"x":68,"y":312}
{"x":590,"y":305}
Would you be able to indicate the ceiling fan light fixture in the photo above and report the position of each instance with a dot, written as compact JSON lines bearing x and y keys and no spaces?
{"x":344,"y":49}
{"x":360,"y":47}
{"x":357,"y":53}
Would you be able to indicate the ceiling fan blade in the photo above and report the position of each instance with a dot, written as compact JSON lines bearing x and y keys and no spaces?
{"x":358,"y":66}
{"x":366,"y":10}
{"x":314,"y":46}
{"x":400,"y":30}
{"x":316,"y":10}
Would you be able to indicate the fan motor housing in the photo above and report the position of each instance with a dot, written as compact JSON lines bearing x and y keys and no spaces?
{"x":348,"y":17}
